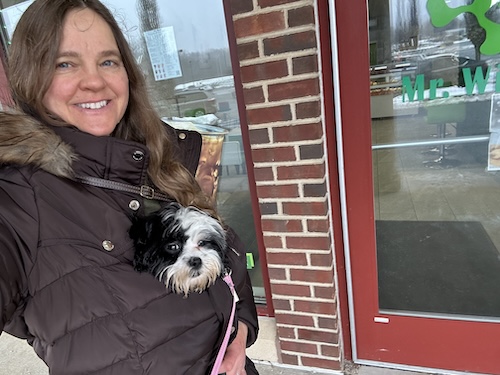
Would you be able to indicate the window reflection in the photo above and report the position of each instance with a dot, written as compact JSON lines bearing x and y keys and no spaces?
{"x":182,"y":48}
{"x":435,"y":98}
{"x":200,"y":96}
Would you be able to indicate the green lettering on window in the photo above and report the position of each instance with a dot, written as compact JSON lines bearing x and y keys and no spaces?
{"x":410,"y":90}
{"x":479,"y":80}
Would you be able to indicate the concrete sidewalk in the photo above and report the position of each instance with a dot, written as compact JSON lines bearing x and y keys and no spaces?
{"x":18,"y":358}
{"x":273,"y":369}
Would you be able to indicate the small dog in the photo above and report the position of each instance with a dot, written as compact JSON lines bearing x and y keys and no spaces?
{"x":184,"y":247}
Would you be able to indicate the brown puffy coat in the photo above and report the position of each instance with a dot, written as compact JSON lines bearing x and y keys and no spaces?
{"x":66,"y":279}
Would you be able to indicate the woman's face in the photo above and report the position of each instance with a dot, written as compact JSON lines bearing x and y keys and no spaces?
{"x":90,"y":88}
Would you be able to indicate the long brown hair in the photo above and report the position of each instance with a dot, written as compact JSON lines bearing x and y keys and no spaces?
{"x":31,"y":66}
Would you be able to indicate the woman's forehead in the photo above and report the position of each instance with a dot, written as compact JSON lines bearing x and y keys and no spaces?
{"x":85,"y":30}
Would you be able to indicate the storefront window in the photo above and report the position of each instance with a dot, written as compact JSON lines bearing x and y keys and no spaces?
{"x":182,"y":48}
{"x":435,"y":97}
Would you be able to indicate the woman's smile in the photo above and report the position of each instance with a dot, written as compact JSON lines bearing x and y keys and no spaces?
{"x":94,"y":105}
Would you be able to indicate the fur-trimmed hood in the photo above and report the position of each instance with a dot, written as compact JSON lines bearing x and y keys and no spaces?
{"x":25,"y":141}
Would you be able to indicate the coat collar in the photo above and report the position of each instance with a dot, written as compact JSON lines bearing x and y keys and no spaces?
{"x":66,"y":151}
{"x":109,"y":158}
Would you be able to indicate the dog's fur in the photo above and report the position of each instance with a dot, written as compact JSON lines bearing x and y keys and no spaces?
{"x":184,"y":247}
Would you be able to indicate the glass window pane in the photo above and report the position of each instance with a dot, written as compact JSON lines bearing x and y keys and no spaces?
{"x":435,"y":129}
{"x":182,"y":48}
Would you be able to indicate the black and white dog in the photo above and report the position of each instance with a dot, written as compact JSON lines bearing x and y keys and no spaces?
{"x":184,"y":247}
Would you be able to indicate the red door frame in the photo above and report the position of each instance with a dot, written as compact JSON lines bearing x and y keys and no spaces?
{"x":407,"y":341}
{"x":331,"y":140}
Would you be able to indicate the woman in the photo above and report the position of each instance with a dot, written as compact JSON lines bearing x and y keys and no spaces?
{"x":67,"y":283}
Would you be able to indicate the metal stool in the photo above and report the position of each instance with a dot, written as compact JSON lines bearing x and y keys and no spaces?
{"x":441,"y":116}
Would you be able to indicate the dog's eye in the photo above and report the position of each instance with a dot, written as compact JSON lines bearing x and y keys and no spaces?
{"x":202,"y":243}
{"x":173,"y":246}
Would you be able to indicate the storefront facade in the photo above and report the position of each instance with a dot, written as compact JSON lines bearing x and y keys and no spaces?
{"x":372,"y":130}
{"x":367,"y":169}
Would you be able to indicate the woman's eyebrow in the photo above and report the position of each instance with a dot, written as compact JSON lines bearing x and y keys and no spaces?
{"x":67,"y":54}
{"x":101,"y":54}
{"x":111,"y":52}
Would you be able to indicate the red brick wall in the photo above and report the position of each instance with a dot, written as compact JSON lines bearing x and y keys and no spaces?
{"x":278,"y":54}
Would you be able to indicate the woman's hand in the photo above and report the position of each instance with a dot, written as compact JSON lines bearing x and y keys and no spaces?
{"x":235,"y":357}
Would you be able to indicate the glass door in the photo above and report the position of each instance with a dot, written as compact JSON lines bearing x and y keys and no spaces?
{"x":436,"y":179}
{"x":426,"y":272}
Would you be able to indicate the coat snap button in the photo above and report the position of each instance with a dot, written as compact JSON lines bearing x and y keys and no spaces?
{"x":107,"y":245}
{"x":134,"y":205}
{"x":138,"y":155}
{"x":182,"y":136}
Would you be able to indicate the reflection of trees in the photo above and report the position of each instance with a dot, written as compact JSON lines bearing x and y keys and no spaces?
{"x":197,"y":66}
{"x":160,"y":91}
{"x":475,"y":33}
{"x":380,"y":35}
{"x":148,"y":14}
{"x":407,"y":24}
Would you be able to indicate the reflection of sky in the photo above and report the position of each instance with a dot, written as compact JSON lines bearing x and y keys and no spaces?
{"x":400,"y":10}
{"x":11,"y":15}
{"x":457,"y":3}
{"x":199,"y":25}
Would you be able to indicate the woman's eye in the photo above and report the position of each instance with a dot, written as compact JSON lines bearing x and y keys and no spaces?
{"x":114,"y":63}
{"x":63,"y":65}
{"x":108,"y":63}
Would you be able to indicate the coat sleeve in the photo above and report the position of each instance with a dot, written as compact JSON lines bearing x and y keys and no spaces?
{"x":18,"y":233}
{"x":246,"y":310}
{"x":12,"y":279}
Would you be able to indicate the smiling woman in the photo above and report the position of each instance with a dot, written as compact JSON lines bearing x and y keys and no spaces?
{"x":90,"y":84}
{"x":201,"y":55}
{"x":82,"y":113}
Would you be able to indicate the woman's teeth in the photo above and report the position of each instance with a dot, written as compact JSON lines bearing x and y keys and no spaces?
{"x":97,"y":105}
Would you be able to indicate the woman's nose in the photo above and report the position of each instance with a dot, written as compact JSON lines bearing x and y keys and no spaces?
{"x":92,"y":79}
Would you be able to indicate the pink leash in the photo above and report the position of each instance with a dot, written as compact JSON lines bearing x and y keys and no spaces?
{"x":222,"y":350}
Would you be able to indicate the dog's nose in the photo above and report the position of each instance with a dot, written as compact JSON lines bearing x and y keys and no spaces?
{"x":195,"y":262}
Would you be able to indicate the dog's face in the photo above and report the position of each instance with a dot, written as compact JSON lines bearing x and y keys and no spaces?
{"x":182,"y":246}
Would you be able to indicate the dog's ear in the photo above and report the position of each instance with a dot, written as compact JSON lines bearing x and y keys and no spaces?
{"x":140,"y":229}
{"x":168,"y":213}
{"x":146,"y":234}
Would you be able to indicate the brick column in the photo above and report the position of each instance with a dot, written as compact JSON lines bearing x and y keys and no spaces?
{"x":278,"y":55}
